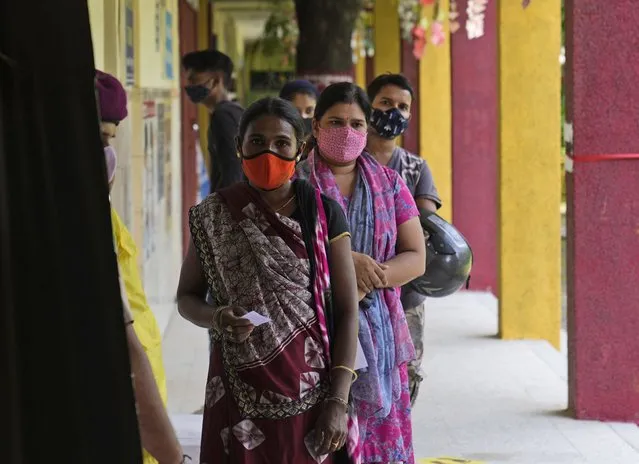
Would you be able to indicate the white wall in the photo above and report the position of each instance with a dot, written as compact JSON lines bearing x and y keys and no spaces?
{"x":152,"y":214}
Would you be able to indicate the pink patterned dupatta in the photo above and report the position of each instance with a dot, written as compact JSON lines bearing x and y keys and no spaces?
{"x":322,"y":288}
{"x":380,"y":203}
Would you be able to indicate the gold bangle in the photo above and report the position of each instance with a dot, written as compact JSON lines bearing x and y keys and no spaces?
{"x":348,"y":369}
{"x":337,"y":399}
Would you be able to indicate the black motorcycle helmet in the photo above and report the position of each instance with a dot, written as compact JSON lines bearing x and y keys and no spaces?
{"x":449,"y":258}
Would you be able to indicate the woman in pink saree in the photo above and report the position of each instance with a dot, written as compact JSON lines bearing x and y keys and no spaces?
{"x":275,"y":255}
{"x":388,"y":249}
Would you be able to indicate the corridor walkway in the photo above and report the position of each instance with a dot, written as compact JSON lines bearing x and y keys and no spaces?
{"x":484,"y":400}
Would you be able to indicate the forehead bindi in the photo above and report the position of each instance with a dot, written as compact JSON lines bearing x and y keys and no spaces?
{"x":345,"y":112}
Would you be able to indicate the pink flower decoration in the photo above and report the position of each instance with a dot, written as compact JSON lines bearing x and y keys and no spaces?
{"x":419,"y":42}
{"x":418,"y":48}
{"x":437,"y":33}
{"x":427,"y":2}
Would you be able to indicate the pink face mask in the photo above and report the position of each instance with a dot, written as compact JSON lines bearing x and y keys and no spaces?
{"x":342,"y":145}
{"x":111,"y":161}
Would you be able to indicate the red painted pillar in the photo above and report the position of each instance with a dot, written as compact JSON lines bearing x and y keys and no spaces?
{"x":188,"y":43}
{"x":410,"y":69}
{"x":602,"y":98}
{"x":475,"y":132}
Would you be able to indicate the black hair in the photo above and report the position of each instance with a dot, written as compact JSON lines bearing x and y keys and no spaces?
{"x":342,"y":92}
{"x":383,"y":80}
{"x":273,"y":106}
{"x":209,"y":60}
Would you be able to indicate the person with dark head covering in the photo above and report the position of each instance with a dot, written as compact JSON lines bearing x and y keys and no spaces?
{"x":142,"y":331}
{"x":303,"y":95}
{"x":209,"y":74}
{"x":111,"y":98}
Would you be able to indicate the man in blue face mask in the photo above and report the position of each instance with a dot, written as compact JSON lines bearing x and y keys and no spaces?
{"x":208,"y":73}
{"x":392,"y":96}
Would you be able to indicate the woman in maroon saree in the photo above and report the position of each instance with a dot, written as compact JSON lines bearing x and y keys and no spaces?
{"x":277,"y":391}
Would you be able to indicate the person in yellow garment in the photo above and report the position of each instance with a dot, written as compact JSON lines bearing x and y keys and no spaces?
{"x":146,"y":327}
{"x":112,"y":105}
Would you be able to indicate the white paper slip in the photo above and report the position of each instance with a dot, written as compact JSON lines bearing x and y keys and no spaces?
{"x":360,"y":358}
{"x":256,"y":318}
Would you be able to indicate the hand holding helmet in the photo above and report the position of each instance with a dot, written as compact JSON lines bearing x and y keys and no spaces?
{"x":449,"y":258}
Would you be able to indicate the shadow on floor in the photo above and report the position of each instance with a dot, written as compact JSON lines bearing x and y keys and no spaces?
{"x":199,"y":411}
{"x":566,"y":413}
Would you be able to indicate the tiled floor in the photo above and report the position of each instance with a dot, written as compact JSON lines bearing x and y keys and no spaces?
{"x":484,"y":399}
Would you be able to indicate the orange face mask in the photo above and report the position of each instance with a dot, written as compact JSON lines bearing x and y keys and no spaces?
{"x":267,"y":170}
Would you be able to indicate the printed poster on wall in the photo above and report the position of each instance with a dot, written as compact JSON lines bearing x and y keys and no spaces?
{"x":161,"y":152}
{"x":168,"y":172}
{"x":168,"y":45}
{"x":149,"y":204}
{"x":157,"y":16}
{"x":129,"y":48}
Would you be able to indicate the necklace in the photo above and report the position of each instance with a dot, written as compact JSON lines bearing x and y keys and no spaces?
{"x":286,"y":203}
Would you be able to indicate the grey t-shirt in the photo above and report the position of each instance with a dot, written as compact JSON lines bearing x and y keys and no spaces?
{"x":416,"y":174}
{"x":419,"y":180}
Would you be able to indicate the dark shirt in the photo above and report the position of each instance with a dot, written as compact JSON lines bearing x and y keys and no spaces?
{"x":335,"y":219}
{"x":226,"y":168}
{"x":419,"y":180}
